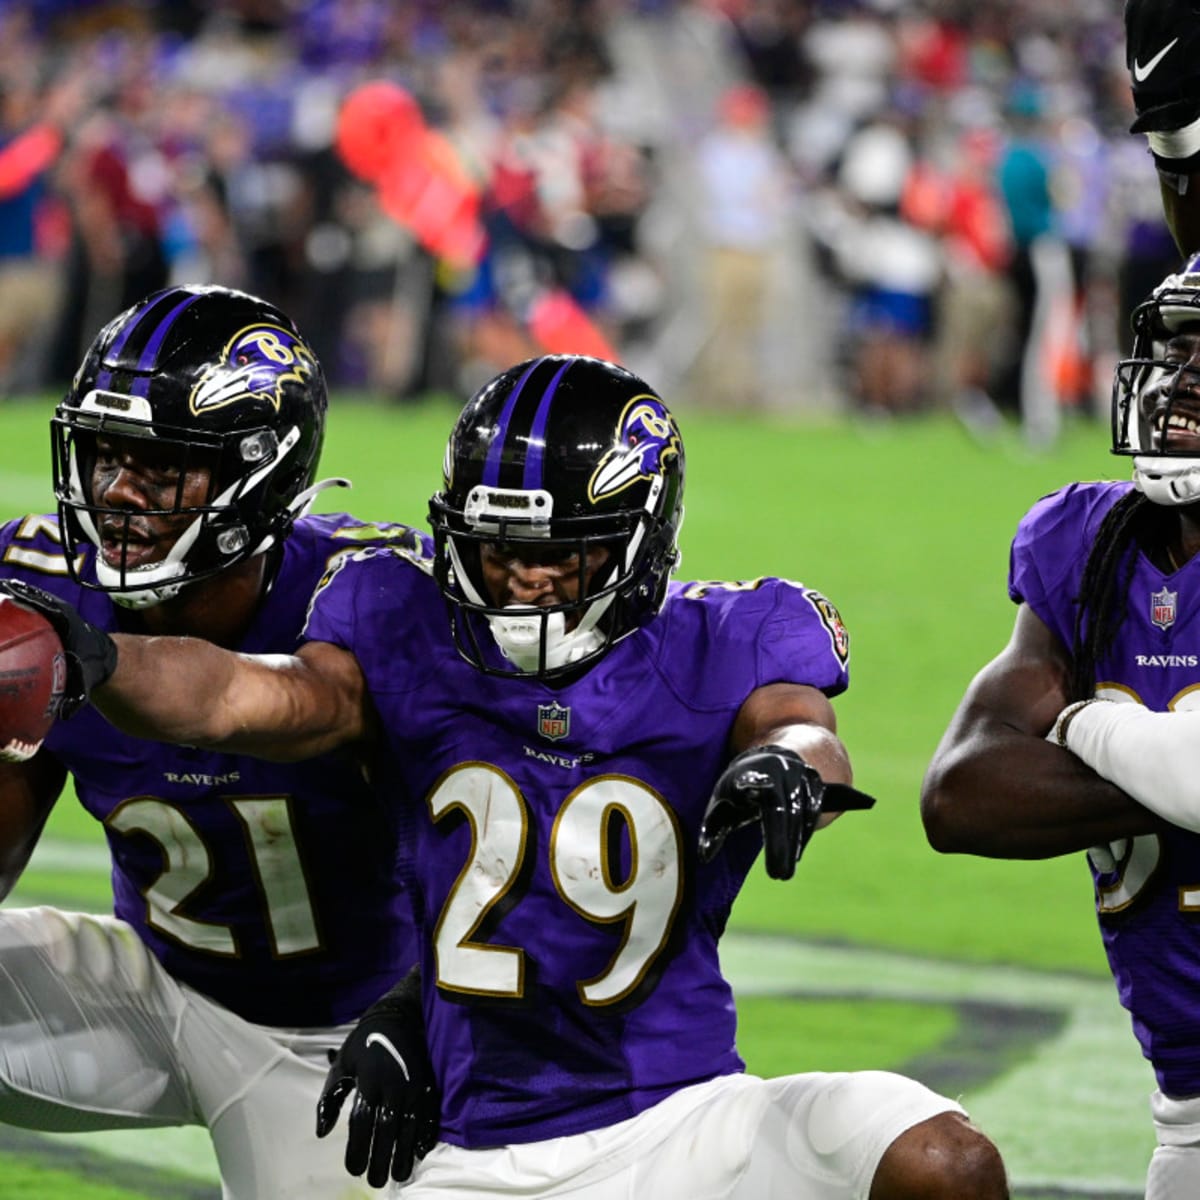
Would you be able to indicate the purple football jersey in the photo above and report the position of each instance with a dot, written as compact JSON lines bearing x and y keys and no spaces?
{"x":1149,"y":905}
{"x":569,"y":932}
{"x":272,"y":888}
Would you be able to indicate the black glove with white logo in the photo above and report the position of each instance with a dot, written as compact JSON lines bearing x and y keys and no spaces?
{"x":395,"y":1118}
{"x":91,"y":655}
{"x":1162,"y":52}
{"x":775,"y":786}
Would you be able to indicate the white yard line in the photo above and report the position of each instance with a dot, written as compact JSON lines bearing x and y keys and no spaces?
{"x":1072,"y":1116}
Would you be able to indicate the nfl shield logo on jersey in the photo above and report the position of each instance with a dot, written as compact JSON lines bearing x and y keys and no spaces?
{"x":1162,"y":608}
{"x":554,"y":721}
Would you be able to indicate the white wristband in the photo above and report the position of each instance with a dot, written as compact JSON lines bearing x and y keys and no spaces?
{"x":1058,"y":734}
{"x":1175,"y":143}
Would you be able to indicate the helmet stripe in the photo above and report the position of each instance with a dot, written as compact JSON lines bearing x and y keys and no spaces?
{"x":141,"y":325}
{"x":113,"y":353}
{"x":535,"y":456}
{"x":141,"y":385}
{"x":491,"y":469}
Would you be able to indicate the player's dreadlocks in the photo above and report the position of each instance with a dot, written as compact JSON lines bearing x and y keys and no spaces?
{"x":1104,"y":588}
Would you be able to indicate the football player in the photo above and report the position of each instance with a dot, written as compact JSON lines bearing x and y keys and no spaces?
{"x":1162,"y":53}
{"x":257,"y":906}
{"x":596,"y":757}
{"x":1032,"y":766}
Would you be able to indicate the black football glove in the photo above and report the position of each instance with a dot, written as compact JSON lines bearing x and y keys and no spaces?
{"x":397,"y":1111}
{"x":1162,"y":45}
{"x":774,"y":785}
{"x":90,"y":653}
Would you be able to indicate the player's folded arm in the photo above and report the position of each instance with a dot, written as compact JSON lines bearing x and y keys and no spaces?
{"x":995,"y":787}
{"x":1152,"y":756}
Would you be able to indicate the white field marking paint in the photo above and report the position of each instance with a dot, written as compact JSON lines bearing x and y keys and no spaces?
{"x":57,"y":854}
{"x":184,"y":1149}
{"x":1073,"y":1116}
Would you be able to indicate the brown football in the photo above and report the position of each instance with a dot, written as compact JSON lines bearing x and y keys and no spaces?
{"x":33,"y":673}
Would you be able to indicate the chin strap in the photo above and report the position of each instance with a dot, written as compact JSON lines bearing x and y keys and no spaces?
{"x":146,"y":597}
{"x":303,"y":501}
{"x":518,"y":633}
{"x":1167,"y":481}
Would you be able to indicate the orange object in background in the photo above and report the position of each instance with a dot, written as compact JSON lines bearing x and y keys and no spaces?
{"x":427,"y":191}
{"x":560,"y":326}
{"x":382,"y":138}
{"x":378,"y":124}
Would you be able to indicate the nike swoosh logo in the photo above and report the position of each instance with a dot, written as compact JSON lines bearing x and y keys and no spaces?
{"x":1142,"y":73}
{"x":374,"y":1039}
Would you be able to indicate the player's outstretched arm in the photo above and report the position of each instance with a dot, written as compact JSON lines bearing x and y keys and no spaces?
{"x":184,"y":690}
{"x":997,"y":787}
{"x":396,"y":1111}
{"x":284,"y":707}
{"x":791,"y":773}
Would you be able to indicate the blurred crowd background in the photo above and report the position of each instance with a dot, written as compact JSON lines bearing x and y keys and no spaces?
{"x":882,"y":206}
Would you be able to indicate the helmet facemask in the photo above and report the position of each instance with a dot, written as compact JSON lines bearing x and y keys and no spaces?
{"x":552,"y":461}
{"x":221,"y":530}
{"x":190,"y":377}
{"x":552,"y":640}
{"x":1156,"y":394}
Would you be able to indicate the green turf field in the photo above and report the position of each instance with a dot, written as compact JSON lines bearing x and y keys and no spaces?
{"x":984,"y":979}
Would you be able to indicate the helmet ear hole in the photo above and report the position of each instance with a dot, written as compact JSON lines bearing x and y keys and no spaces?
{"x":570,"y":453}
{"x":216,"y":379}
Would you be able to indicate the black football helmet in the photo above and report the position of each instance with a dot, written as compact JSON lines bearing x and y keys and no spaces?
{"x":562,"y":453}
{"x":220,"y":377}
{"x":1156,"y":392}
